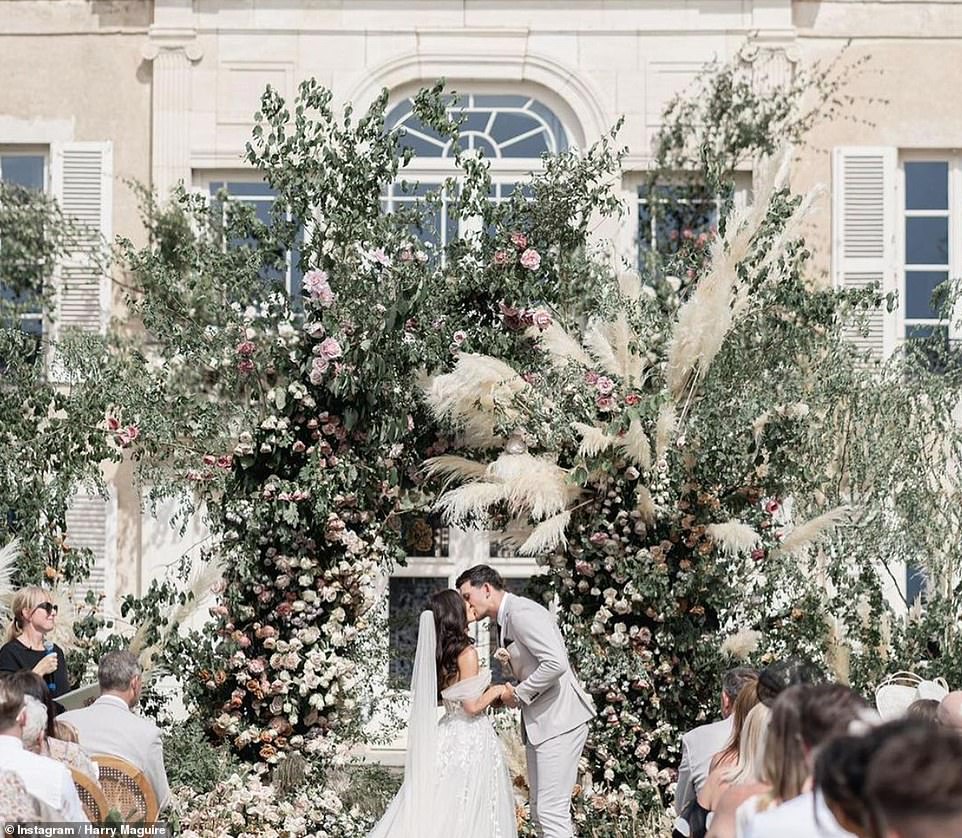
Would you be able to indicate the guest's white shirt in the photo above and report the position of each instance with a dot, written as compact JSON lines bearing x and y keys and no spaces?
{"x":805,"y":816}
{"x":46,"y":779}
{"x":109,"y":727}
{"x":500,"y":617}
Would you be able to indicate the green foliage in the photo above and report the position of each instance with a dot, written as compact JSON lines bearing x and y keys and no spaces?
{"x":192,"y":760}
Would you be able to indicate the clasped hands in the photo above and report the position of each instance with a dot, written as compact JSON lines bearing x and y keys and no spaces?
{"x":508,"y":696}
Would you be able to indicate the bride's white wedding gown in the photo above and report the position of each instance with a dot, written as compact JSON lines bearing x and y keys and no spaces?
{"x":471,"y":794}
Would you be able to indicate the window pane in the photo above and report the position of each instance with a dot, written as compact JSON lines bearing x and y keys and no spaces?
{"x":929,"y":344}
{"x":919,"y":286}
{"x":250,"y":189}
{"x":927,"y":185}
{"x":407,"y":597}
{"x":23,"y":170}
{"x":927,"y":241}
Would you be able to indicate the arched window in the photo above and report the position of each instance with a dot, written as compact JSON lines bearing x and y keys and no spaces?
{"x":501,"y":126}
{"x":513,"y":131}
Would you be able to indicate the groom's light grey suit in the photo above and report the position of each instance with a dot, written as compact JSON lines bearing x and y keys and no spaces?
{"x":555,"y":710}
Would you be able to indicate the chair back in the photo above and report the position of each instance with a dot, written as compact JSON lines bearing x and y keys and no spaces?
{"x":91,"y":796}
{"x":127,"y":789}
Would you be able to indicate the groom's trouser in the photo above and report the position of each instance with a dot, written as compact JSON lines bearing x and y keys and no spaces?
{"x":552,"y":774}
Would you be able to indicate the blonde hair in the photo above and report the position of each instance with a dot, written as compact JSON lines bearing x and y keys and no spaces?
{"x":25,"y":598}
{"x":751,"y":748}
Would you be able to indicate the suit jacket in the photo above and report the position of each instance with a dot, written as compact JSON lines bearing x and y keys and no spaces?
{"x":698,"y":746}
{"x":109,"y":727}
{"x":552,"y":701}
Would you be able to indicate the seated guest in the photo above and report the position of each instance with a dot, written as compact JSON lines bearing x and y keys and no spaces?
{"x":949,"y":714}
{"x":699,"y":745}
{"x":45,"y":779}
{"x":746,"y":779}
{"x":804,"y":718}
{"x":899,"y":780}
{"x":924,"y":709}
{"x":724,"y":761}
{"x":108,"y":726}
{"x":27,"y":647}
{"x":36,"y":740}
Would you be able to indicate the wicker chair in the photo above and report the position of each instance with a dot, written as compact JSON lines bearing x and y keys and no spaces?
{"x":127,"y":789}
{"x":91,"y":796}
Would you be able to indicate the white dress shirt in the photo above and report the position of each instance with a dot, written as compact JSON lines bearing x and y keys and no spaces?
{"x":500,"y":618}
{"x":805,"y":816}
{"x":46,"y":779}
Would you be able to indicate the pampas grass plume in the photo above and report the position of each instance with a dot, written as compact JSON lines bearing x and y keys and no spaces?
{"x":741,"y":644}
{"x":734,"y":537}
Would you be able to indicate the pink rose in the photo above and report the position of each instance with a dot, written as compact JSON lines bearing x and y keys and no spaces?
{"x":772,"y":506}
{"x":330,"y":349}
{"x":605,"y":385}
{"x":246,"y":348}
{"x":591,"y":378}
{"x":113,"y":424}
{"x":379,"y":256}
{"x":318,"y":368}
{"x":598,"y":537}
{"x":459,"y":337}
{"x":245,"y":366}
{"x":298,"y":447}
{"x":225,"y":461}
{"x":531,"y":259}
{"x":632,"y":399}
{"x":541,"y":319}
{"x":208,"y":459}
{"x":318,"y":286}
{"x":128,"y":435}
{"x":519,"y":240}
{"x":758,"y":554}
{"x":315,"y":330}
{"x":502,"y":258}
{"x":604,"y":403}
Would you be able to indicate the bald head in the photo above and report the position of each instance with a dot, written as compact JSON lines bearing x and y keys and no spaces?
{"x":950,"y":711}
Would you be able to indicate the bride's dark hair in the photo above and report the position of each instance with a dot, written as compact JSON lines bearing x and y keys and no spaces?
{"x":451,"y":626}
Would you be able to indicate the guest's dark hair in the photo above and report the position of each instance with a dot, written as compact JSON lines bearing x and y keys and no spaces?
{"x":923,"y":709}
{"x":481,"y":574}
{"x":451,"y":625}
{"x":804,"y":717}
{"x":735,"y":679}
{"x":903,"y":775}
{"x":778,"y":677}
{"x":32,"y":684}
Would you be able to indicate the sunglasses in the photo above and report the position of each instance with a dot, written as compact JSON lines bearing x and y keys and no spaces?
{"x":49,"y":607}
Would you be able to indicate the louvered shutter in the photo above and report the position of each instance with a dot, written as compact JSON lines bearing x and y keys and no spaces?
{"x":863,"y":234}
{"x":82,"y":183}
{"x":91,"y":524}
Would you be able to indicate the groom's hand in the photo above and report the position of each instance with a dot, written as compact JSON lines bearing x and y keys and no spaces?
{"x":509,"y":698}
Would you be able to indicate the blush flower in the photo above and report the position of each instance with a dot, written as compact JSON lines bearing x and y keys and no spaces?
{"x":245,"y":366}
{"x":605,"y":385}
{"x":245,"y":348}
{"x":502,"y":258}
{"x":519,"y":240}
{"x":319,"y":287}
{"x":330,"y":349}
{"x":530,"y":259}
{"x":541,"y":319}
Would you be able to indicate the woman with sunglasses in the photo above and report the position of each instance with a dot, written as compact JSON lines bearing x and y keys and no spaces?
{"x":27,"y":646}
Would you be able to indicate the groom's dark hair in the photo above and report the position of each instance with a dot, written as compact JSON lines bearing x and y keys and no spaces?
{"x":480,"y":575}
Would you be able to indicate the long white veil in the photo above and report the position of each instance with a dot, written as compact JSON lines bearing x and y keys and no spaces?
{"x":420,"y":761}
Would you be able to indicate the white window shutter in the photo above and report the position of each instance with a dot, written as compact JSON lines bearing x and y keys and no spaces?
{"x":863,"y":234}
{"x":83,"y":185}
{"x":91,"y":524}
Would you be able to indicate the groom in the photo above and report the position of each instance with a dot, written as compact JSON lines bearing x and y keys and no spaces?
{"x":555,"y":709}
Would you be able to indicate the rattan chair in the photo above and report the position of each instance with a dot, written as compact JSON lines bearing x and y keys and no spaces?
{"x":91,"y":796}
{"x":127,"y":789}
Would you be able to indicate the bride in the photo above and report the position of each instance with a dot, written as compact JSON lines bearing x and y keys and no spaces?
{"x":456,"y":780}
